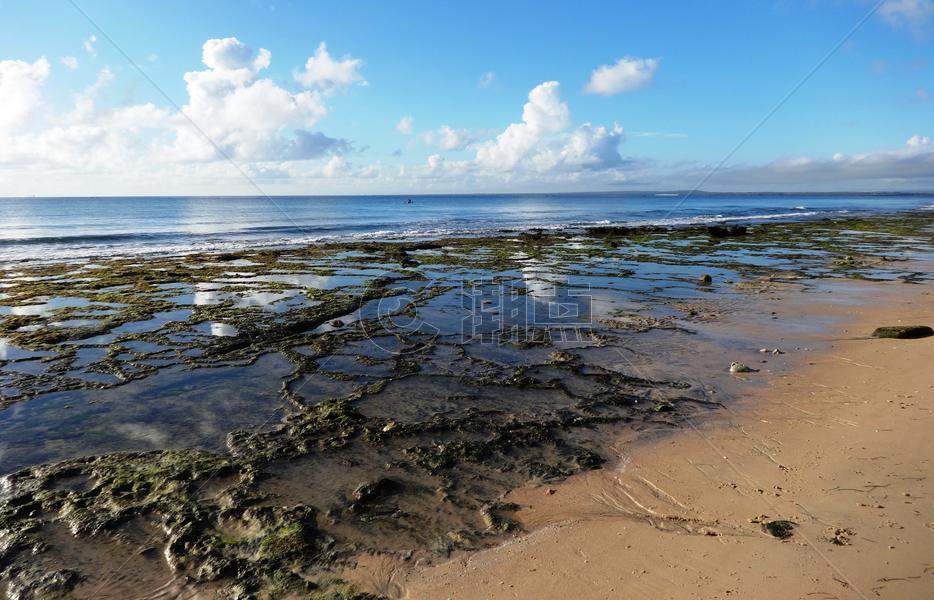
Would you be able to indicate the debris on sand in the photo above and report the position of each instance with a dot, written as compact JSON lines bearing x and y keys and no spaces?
{"x":738,"y":367}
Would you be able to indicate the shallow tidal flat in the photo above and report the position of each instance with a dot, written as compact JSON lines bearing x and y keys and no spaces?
{"x":249,"y":423}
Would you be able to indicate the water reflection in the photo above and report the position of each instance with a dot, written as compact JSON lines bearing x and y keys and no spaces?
{"x":176,"y":408}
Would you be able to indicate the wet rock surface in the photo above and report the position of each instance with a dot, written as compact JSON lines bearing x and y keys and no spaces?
{"x":375,"y":397}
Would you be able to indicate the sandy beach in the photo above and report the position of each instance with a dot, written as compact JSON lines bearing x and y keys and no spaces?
{"x":838,"y":446}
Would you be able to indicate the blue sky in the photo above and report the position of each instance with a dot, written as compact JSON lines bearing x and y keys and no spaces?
{"x":695,"y":77}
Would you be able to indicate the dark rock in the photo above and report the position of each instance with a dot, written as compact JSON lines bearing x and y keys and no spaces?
{"x":723,"y":231}
{"x":781,"y":529}
{"x":903,"y":332}
{"x":705,"y":279}
{"x":621,"y":230}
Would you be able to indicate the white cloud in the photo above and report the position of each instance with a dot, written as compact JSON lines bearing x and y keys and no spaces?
{"x":915,"y":14}
{"x":628,"y":74}
{"x":70,"y":61}
{"x":918,"y":140}
{"x":323,"y":72}
{"x":251,"y":118}
{"x":85,"y":100}
{"x":446,"y":138}
{"x":450,"y":139}
{"x":89,"y":45}
{"x":542,"y":115}
{"x":588,"y":147}
{"x":20,"y":84}
{"x":543,"y":145}
{"x":404,"y":126}
{"x":487,"y":79}
{"x":230,"y":54}
{"x":247,"y":116}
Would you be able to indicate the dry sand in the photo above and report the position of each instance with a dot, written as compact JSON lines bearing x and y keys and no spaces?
{"x":842,"y":445}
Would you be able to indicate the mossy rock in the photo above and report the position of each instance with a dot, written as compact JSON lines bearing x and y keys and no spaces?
{"x":903,"y":332}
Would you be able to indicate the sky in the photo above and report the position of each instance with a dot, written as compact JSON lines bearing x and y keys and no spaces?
{"x":103,"y":98}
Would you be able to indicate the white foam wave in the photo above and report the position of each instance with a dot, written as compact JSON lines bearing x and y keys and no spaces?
{"x":85,"y":252}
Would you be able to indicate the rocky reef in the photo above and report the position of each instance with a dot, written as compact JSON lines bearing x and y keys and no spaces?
{"x":379,"y":397}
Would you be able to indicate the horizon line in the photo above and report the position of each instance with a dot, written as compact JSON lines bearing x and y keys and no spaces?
{"x":494,"y":194}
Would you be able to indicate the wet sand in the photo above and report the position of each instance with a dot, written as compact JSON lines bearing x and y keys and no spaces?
{"x":839,"y":445}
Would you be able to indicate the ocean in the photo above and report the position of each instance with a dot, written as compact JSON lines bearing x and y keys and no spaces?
{"x":80,"y":228}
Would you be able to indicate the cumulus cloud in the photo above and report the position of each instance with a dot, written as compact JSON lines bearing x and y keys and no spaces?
{"x":89,"y":137}
{"x":451,"y":139}
{"x":447,"y":138}
{"x":628,"y":74}
{"x":230,"y":54}
{"x":588,"y":147}
{"x":70,"y":61}
{"x":404,"y":126}
{"x":543,"y":142}
{"x":542,"y":115}
{"x":20,"y":84}
{"x":89,"y":45}
{"x":86,"y":99}
{"x":487,"y":79}
{"x":915,"y":14}
{"x":323,"y":72}
{"x":247,"y":116}
{"x":918,"y":140}
{"x":306,"y":145}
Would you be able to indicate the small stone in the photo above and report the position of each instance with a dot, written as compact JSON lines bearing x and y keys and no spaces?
{"x":337,"y":323}
{"x":738,"y":367}
{"x":705,"y":279}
